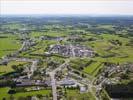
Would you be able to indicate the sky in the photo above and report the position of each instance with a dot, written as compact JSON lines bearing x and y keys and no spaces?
{"x":91,"y":7}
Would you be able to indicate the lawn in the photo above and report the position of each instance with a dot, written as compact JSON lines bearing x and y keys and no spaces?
{"x":93,"y":68}
{"x":114,"y":37}
{"x":6,"y":69}
{"x":8,"y":45}
{"x":76,"y":95}
{"x":77,"y":62}
{"x":36,"y":34}
{"x":4,"y":93}
{"x":33,"y":93}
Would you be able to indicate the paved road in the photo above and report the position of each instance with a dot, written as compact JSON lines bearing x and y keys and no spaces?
{"x":23,"y":45}
{"x":32,"y":68}
{"x":86,"y":82}
{"x":72,"y":48}
{"x":53,"y":83}
{"x":61,"y":66}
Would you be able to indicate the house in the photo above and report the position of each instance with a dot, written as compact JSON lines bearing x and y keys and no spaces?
{"x":67,"y":82}
{"x":83,"y":89}
{"x":72,"y":50}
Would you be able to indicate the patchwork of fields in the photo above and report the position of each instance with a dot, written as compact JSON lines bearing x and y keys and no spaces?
{"x":59,"y":52}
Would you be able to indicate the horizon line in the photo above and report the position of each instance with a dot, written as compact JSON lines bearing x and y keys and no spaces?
{"x":66,"y":14}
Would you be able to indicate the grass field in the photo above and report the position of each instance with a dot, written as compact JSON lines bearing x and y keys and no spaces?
{"x":8,"y":45}
{"x":76,"y":95}
{"x":4,"y":93}
{"x":33,"y":93}
{"x":50,"y":33}
{"x":121,"y":54}
{"x":117,"y":54}
{"x":12,"y":26}
{"x":6,"y":69}
{"x":93,"y":68}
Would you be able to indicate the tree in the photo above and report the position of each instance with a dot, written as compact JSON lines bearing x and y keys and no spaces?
{"x":7,"y":83}
{"x":22,"y":98}
{"x":124,"y":76}
{"x":106,"y":74}
{"x":4,"y":98}
{"x":14,"y":67}
{"x":11,"y":97}
{"x":11,"y":92}
{"x":39,"y":96}
{"x":29,"y":98}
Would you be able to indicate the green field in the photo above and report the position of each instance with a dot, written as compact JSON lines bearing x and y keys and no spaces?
{"x":76,"y":95}
{"x":8,"y":45}
{"x":93,"y":68}
{"x":107,"y":52}
{"x":49,"y":33}
{"x":12,"y":26}
{"x":8,"y":68}
{"x":4,"y":93}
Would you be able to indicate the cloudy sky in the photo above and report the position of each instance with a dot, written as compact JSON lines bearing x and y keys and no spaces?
{"x":91,"y":7}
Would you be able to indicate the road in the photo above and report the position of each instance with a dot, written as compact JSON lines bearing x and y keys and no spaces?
{"x":61,"y":66}
{"x":23,"y":45}
{"x":32,"y":68}
{"x":73,"y":52}
{"x":53,"y":83}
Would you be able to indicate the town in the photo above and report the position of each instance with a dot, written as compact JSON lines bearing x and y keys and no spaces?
{"x":61,"y":60}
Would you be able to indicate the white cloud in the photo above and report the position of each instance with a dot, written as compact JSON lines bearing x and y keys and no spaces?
{"x":66,"y":7}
